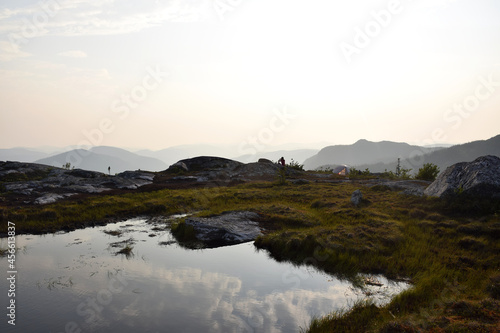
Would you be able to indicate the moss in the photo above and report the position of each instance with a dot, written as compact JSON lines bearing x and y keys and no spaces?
{"x":184,"y":233}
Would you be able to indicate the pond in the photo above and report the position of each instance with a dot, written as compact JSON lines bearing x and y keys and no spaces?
{"x":79,"y":282}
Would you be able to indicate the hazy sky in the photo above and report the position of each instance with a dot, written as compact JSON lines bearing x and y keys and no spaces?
{"x":248,"y":72}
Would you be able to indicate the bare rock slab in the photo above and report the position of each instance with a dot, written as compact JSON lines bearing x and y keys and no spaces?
{"x":480,"y":178}
{"x":226,"y":229}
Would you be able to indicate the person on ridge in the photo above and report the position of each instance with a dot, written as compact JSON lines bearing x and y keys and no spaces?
{"x":282,"y":161}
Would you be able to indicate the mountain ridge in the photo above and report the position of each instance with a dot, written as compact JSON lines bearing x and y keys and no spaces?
{"x":443,"y":157}
{"x":116,"y":159}
{"x":363,"y":152}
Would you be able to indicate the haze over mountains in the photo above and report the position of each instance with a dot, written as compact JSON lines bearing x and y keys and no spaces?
{"x":21,"y":155}
{"x":363,"y":152}
{"x":377,"y":156}
{"x":381,"y":156}
{"x":101,"y":158}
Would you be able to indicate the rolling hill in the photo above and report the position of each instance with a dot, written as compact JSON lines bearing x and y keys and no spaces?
{"x":100,"y":158}
{"x":443,"y":157}
{"x":363,"y":152}
{"x":21,"y":155}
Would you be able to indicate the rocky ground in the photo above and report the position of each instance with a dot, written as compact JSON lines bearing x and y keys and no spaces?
{"x":29,"y":183}
{"x":37,"y":184}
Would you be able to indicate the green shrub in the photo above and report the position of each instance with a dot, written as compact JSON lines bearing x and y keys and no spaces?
{"x":428,"y":172}
{"x":295,"y":165}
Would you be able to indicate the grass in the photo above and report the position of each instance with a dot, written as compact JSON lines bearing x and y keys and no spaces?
{"x":356,"y":319}
{"x":113,"y":232}
{"x":125,"y":247}
{"x":447,"y":249}
{"x":126,"y":250}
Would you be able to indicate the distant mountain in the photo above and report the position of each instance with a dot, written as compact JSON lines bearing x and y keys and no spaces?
{"x":443,"y":158}
{"x":136,"y":161}
{"x":100,"y":158}
{"x":467,"y":152}
{"x":363,"y":152}
{"x":21,"y":155}
{"x":298,"y":155}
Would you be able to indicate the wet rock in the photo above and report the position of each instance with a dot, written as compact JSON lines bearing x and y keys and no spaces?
{"x":480,"y":178}
{"x":226,"y":229}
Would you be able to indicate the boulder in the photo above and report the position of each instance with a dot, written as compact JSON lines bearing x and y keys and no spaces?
{"x":207,"y":163}
{"x":177,"y":167}
{"x":225,"y":229}
{"x":356,"y":197}
{"x":480,"y":178}
{"x":265,"y":160}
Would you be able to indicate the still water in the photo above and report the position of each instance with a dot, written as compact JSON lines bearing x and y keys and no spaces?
{"x":76,"y":282}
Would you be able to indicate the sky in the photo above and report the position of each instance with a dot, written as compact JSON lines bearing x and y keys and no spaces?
{"x":247,"y":73}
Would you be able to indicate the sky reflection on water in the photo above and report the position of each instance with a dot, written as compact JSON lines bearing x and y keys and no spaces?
{"x":75,"y":281}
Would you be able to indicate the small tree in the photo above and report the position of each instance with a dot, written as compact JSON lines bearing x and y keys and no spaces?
{"x":354,"y":172}
{"x":67,"y":166}
{"x":295,"y":165}
{"x":429,"y":172}
{"x":398,"y":168}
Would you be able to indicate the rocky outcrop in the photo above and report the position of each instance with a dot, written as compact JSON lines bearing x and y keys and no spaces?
{"x":206,"y":163}
{"x":265,"y":160}
{"x":226,"y":229}
{"x":46,"y":184}
{"x":219,"y":169}
{"x":480,"y":178}
{"x":32,"y":183}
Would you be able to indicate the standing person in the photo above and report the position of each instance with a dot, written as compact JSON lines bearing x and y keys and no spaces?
{"x":282,"y":161}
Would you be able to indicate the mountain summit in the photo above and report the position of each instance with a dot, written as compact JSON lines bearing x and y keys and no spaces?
{"x":363,"y":152}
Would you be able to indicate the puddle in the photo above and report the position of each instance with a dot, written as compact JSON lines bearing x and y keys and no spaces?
{"x":79,"y":280}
